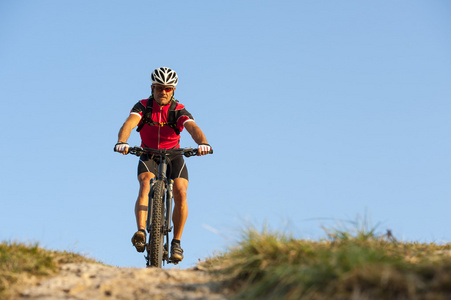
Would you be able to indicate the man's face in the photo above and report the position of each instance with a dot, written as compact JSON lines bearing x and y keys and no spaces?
{"x":162,"y":94}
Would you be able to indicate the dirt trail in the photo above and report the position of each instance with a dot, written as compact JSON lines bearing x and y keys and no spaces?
{"x":95,"y":281}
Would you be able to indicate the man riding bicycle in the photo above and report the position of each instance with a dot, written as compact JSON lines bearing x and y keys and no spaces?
{"x":160,"y":119}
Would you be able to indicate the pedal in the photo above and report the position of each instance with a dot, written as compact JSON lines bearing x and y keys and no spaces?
{"x":165,"y":253}
{"x":175,"y":262}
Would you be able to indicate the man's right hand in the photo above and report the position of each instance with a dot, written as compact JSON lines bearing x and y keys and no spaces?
{"x":121,"y":147}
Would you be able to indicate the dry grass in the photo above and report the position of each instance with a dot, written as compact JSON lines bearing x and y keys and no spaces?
{"x":19,"y":262}
{"x":345,"y":265}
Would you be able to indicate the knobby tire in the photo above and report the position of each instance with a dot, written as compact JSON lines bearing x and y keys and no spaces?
{"x":156,"y":242}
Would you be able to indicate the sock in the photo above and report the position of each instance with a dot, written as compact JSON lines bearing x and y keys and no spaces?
{"x":174,"y":241}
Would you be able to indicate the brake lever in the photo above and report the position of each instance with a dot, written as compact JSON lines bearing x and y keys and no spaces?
{"x":190,"y":153}
{"x":136,"y":151}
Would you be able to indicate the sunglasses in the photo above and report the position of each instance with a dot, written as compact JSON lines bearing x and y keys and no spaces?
{"x":163,"y":88}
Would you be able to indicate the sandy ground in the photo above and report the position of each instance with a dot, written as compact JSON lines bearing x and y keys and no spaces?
{"x":95,"y":281}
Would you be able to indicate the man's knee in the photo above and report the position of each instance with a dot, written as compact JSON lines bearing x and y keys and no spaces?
{"x":180,"y":189}
{"x":180,"y":196}
{"x":144,"y":178}
{"x":144,"y":183}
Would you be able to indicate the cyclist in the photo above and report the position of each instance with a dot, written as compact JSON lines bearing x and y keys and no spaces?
{"x":156,"y":132}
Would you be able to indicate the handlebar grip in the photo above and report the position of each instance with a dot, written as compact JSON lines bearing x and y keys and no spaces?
{"x":194,"y":152}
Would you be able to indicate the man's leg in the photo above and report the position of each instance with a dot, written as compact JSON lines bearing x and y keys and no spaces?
{"x":139,"y":238}
{"x":179,"y":216}
{"x":180,"y":213}
{"x":143,"y":199}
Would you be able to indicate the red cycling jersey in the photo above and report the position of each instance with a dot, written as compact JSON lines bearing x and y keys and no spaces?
{"x":161,"y":137}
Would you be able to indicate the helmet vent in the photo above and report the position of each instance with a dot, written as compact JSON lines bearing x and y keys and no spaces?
{"x":164,"y":76}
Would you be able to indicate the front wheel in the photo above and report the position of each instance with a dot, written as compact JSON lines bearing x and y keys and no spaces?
{"x":156,"y":234}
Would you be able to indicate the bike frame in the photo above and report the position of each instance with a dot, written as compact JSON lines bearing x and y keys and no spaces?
{"x":167,"y":199}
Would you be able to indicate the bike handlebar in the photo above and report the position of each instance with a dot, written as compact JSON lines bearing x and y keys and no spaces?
{"x":138,"y":151}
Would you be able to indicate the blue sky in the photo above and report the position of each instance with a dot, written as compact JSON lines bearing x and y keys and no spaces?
{"x":318,"y":111}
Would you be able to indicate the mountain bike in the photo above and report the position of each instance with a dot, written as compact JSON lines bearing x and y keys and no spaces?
{"x":159,"y":208}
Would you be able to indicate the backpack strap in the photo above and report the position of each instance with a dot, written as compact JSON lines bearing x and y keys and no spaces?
{"x":147,"y":116}
{"x":172,"y":116}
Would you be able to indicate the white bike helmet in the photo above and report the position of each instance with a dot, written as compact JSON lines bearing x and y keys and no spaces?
{"x":164,"y":76}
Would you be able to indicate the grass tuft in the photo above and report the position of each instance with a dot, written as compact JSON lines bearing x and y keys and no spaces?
{"x":357,"y":264}
{"x":19,"y":262}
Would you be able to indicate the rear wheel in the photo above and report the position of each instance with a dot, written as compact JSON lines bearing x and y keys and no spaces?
{"x":156,"y":234}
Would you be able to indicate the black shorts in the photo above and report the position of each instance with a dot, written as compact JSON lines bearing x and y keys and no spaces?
{"x":176,"y":166}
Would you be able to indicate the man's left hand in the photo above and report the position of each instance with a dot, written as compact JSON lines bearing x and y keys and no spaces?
{"x":203,"y":149}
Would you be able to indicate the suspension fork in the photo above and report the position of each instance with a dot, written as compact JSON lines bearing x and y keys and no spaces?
{"x":162,"y":167}
{"x":149,"y":205}
{"x":169,"y":197}
{"x":169,"y":183}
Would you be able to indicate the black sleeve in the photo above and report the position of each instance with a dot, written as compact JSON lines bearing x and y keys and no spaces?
{"x":138,"y":108}
{"x":184,"y":112}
